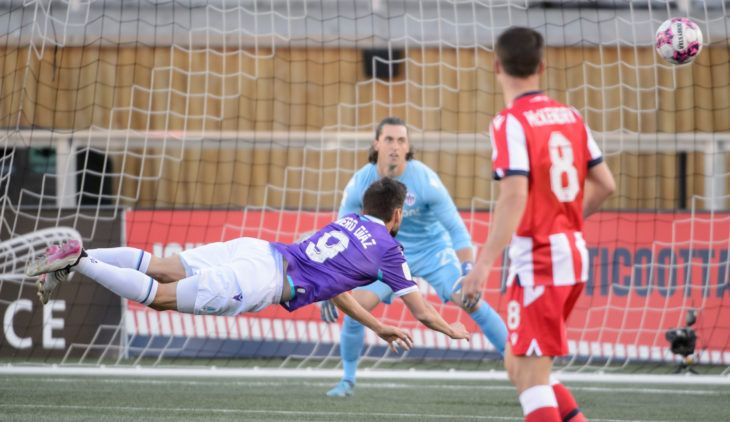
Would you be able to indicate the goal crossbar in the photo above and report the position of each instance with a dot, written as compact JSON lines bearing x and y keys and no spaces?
{"x":712,"y":145}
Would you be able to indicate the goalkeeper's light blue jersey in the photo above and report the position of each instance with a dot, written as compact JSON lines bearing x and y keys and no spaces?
{"x":431,"y":222}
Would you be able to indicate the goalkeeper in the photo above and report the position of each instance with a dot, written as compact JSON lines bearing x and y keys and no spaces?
{"x":436,"y":243}
{"x":247,"y":275}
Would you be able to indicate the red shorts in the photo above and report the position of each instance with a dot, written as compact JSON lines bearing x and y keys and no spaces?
{"x":536,"y":318}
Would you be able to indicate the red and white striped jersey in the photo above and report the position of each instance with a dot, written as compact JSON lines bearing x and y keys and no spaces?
{"x":549,"y":143}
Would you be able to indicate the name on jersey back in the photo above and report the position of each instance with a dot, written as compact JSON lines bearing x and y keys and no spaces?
{"x":550,"y":116}
{"x":360,"y":232}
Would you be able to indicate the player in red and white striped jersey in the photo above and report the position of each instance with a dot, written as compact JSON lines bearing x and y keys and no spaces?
{"x":552,"y":175}
{"x":547,"y":142}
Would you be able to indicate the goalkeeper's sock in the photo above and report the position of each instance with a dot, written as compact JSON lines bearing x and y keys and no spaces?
{"x":539,"y":404}
{"x":125,"y":282}
{"x":351,"y":341}
{"x":491,"y":324}
{"x":567,"y":406}
{"x":123,"y":257}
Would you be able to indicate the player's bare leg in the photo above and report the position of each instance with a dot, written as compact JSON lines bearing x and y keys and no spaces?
{"x":166,"y":270}
{"x":527,"y":371}
{"x":531,"y":376}
{"x":127,"y":282}
{"x":166,"y":297}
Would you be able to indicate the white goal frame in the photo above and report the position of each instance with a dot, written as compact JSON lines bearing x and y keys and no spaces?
{"x":712,"y":145}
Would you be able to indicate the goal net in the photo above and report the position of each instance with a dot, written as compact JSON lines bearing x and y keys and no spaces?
{"x":164,"y":125}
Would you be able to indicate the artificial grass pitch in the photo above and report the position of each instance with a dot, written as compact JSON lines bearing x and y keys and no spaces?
{"x":96,"y":398}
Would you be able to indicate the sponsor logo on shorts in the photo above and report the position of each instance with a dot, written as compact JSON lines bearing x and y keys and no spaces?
{"x":238,"y":297}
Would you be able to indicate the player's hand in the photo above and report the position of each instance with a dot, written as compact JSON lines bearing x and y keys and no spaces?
{"x":471,"y":288}
{"x":395,"y":337}
{"x":458,"y":331}
{"x":457,"y":296}
{"x":328,"y":311}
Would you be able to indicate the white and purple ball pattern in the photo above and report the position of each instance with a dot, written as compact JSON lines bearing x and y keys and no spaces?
{"x":678,"y":40}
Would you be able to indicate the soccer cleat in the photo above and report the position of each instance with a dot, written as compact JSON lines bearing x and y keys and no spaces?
{"x":342,"y":389}
{"x":47,"y":283}
{"x":56,"y":258}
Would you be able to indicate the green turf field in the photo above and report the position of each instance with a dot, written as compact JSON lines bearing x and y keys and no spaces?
{"x":73,"y":398}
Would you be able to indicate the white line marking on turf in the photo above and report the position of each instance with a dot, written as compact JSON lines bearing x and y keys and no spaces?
{"x":291,"y":412}
{"x":385,"y":385}
{"x":267,"y":412}
{"x":651,"y":391}
{"x":306,"y":373}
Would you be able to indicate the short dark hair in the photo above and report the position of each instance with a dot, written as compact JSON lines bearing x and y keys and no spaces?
{"x":393,"y":121}
{"x":520,"y":51}
{"x":383,"y":197}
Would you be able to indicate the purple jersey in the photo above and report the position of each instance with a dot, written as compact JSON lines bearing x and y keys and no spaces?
{"x":350,"y":252}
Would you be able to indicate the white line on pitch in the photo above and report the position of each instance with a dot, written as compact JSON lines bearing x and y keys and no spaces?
{"x":388,"y":385}
{"x":254,"y":411}
{"x":292,"y":412}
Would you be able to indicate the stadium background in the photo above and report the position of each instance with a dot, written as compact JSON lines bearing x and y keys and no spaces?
{"x":167,"y":124}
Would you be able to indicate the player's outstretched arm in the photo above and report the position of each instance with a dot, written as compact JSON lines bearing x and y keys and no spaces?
{"x":392,"y":335}
{"x":506,"y":217}
{"x":427,"y":315}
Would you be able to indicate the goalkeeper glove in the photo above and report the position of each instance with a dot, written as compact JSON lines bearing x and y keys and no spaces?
{"x":328,"y":311}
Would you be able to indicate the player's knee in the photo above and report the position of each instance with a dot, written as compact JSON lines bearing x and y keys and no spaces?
{"x":517,"y":375}
{"x":509,"y":365}
{"x":156,"y":307}
{"x":165,"y":298}
{"x":166,"y":270}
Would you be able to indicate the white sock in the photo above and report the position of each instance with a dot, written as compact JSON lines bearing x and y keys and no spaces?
{"x":123,"y":257}
{"x":187,"y":292}
{"x":125,"y":282}
{"x":536,"y":397}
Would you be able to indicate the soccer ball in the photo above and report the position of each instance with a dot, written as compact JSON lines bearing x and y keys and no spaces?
{"x":678,"y":40}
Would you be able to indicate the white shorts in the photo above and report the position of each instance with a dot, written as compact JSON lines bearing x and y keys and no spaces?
{"x":234,"y":277}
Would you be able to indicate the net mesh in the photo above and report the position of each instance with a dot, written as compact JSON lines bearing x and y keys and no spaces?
{"x":165,"y":125}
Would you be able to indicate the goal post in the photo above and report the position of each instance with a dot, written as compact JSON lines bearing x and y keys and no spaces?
{"x":166,"y":125}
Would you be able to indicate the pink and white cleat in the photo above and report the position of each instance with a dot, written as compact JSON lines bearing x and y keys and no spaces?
{"x":56,"y":258}
{"x":47,"y":283}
